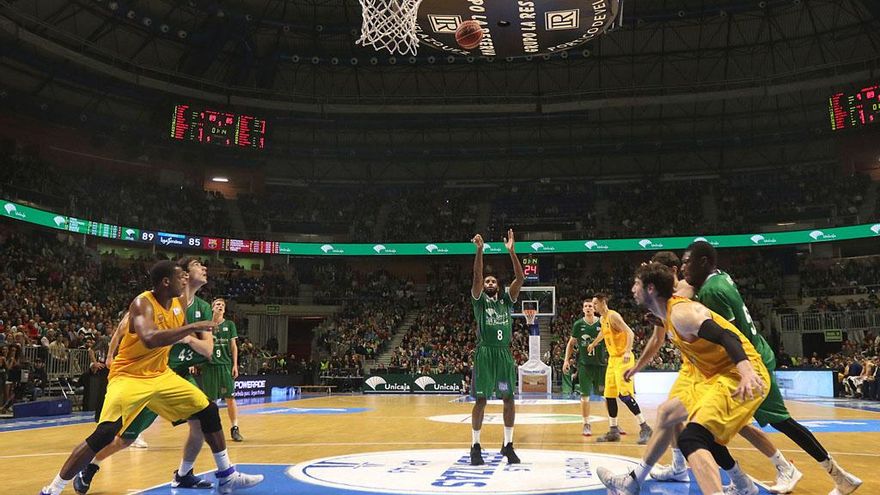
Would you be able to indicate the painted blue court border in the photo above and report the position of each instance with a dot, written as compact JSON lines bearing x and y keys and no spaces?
{"x":277,"y":482}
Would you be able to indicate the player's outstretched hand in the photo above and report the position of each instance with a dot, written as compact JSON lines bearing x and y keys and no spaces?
{"x":750,"y":385}
{"x":508,"y":241}
{"x":566,"y":366}
{"x":629,"y":374}
{"x":478,"y":240}
{"x":201,"y":326}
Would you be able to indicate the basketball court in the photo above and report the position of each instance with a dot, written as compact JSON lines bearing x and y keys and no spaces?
{"x":355,"y":444}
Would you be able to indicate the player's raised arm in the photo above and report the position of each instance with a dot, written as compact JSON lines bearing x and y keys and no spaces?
{"x":477,"y":285}
{"x":693,"y":320}
{"x":519,"y":277}
{"x":141,"y":315}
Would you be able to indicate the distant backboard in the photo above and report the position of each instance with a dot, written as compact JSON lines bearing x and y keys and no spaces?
{"x":544,"y":297}
{"x":516,"y":27}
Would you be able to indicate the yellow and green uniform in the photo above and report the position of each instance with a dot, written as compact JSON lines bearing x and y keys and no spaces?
{"x":140,"y":377}
{"x":719,"y":294}
{"x":180,"y":358}
{"x":494,"y":372}
{"x":590,"y":365}
{"x":217,"y":375}
{"x":710,"y":401}
{"x":615,"y":342}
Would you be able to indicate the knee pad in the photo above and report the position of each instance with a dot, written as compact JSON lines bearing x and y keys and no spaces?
{"x":103,"y":435}
{"x":209,"y":417}
{"x":631,"y":403}
{"x":693,"y":438}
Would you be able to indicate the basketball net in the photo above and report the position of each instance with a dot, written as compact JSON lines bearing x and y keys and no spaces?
{"x":531,"y":315}
{"x":390,"y":25}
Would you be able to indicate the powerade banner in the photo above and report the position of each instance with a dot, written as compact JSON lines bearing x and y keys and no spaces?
{"x":413,"y":384}
{"x":43,"y":218}
{"x":263,"y":386}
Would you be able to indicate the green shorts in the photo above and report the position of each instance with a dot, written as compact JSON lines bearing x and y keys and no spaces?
{"x":590,"y":379}
{"x":773,"y":409}
{"x":494,"y":373}
{"x":146,"y":417}
{"x":217,"y":381}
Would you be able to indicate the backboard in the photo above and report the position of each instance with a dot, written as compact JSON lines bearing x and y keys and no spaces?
{"x":543,"y":296}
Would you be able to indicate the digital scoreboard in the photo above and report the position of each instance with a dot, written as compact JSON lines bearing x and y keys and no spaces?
{"x":855,"y":110}
{"x":530,"y":269}
{"x":217,"y":127}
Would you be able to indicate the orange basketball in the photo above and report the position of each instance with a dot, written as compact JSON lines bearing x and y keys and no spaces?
{"x":468,"y":34}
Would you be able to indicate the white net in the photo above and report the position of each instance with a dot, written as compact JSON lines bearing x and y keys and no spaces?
{"x":390,"y":25}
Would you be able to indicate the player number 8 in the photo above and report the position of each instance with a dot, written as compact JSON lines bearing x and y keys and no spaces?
{"x":500,"y":335}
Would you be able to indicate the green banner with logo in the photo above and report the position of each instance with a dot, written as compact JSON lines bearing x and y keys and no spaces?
{"x":43,"y":218}
{"x":398,"y":383}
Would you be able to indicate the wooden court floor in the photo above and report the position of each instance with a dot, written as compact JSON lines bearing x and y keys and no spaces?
{"x":30,"y":458}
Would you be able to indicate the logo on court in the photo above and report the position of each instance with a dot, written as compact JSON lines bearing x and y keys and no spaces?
{"x":559,"y":20}
{"x":449,"y":471}
{"x":444,"y":23}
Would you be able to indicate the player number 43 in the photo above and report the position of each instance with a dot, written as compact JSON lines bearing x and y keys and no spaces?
{"x":185,"y":355}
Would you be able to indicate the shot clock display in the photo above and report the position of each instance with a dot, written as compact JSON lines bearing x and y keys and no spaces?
{"x":530,"y":268}
{"x":859,"y":109}
{"x":217,"y":127}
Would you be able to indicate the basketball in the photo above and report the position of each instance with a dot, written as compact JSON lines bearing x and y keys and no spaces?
{"x":468,"y":34}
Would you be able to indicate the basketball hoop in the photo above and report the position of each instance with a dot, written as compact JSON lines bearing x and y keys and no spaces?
{"x":390,"y":25}
{"x":531,"y":315}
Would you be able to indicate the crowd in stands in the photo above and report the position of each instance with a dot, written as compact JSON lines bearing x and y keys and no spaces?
{"x":734,"y":202}
{"x":856,"y":366}
{"x":841,"y":277}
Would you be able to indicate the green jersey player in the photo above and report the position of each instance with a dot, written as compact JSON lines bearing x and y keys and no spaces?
{"x":219,"y":375}
{"x":590,"y":363}
{"x":494,"y":371}
{"x":717,"y":291}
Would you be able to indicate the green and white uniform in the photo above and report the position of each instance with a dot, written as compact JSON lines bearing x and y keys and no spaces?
{"x":181,"y":357}
{"x":719,"y":293}
{"x":590,"y":366}
{"x":217,"y":375}
{"x":494,"y":371}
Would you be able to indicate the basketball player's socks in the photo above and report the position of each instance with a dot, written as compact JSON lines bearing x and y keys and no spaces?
{"x":640,"y":418}
{"x":508,"y":435}
{"x":641,"y":472}
{"x":739,"y":478}
{"x":222,"y":460}
{"x":779,"y":461}
{"x":612,"y":422}
{"x":475,"y":437}
{"x":185,"y":467}
{"x":58,"y":484}
{"x":678,"y":461}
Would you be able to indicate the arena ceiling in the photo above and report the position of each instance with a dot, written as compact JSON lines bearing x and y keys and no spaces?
{"x":679,"y":77}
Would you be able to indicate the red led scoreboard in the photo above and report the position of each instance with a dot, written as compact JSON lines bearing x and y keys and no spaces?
{"x":850,"y":111}
{"x":217,"y":127}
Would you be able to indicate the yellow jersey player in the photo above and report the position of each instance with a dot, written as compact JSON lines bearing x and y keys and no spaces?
{"x":140,"y":377}
{"x":734,"y":384}
{"x":618,"y":338}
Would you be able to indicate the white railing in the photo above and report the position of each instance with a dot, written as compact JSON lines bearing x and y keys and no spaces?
{"x":842,"y":291}
{"x":864,"y":319}
{"x":65,"y":363}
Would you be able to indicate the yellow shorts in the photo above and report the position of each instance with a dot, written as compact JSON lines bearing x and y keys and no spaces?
{"x":712,"y":405}
{"x":683,"y":388}
{"x":168,"y":395}
{"x":614,"y":383}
